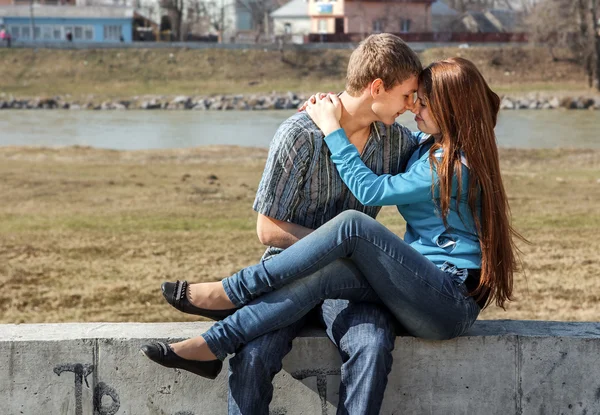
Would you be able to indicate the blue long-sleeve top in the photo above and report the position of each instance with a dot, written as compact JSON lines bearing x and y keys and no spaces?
{"x":457,"y":243}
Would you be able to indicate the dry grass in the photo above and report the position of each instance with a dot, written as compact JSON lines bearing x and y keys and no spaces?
{"x":109,"y":73}
{"x":89,"y":235}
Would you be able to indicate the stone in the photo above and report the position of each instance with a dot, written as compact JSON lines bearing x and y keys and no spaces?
{"x":150,"y":105}
{"x":554,"y":103}
{"x":181,"y":102}
{"x":280,"y":103}
{"x":588,"y":103}
{"x":507,"y":104}
{"x":523,"y":103}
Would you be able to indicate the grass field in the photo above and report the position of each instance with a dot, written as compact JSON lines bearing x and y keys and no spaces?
{"x":89,"y":234}
{"x":95,"y":75}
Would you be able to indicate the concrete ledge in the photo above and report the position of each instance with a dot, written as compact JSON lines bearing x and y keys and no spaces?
{"x":501,"y":367}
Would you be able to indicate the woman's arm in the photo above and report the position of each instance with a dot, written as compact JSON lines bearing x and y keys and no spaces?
{"x":371,"y":189}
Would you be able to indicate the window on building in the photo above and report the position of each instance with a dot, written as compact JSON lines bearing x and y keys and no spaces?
{"x":322,"y":26}
{"x":244,"y":19}
{"x":25,"y":32}
{"x":57,"y":33}
{"x":405,"y":25}
{"x":112,"y":32}
{"x":47,"y":32}
{"x":14,"y":32}
{"x":88,"y":33}
{"x":37,"y":32}
{"x":287,"y":28}
{"x":378,"y":26}
{"x":78,"y":33}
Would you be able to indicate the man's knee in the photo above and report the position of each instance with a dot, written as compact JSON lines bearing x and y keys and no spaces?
{"x":255,"y":361}
{"x":360,"y":328}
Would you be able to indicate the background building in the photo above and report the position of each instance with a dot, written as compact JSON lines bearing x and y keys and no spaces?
{"x":292,"y":21}
{"x":84,"y":24}
{"x":370,"y":16}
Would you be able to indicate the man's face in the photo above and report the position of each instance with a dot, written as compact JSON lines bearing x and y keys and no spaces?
{"x":389,"y":105}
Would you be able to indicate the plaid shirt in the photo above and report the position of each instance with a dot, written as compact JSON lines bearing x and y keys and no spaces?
{"x":300,"y":183}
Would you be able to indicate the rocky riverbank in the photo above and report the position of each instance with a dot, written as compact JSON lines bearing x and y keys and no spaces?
{"x":241,"y":102}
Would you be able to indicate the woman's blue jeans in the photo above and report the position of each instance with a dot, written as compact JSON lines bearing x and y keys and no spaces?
{"x":429,"y":302}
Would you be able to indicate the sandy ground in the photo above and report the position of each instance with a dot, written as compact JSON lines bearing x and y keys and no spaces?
{"x":89,"y":235}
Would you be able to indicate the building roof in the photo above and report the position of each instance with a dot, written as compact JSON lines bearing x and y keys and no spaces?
{"x":295,"y":8}
{"x":439,"y":8}
{"x":479,"y":22}
{"x":89,"y":12}
{"x":509,"y":19}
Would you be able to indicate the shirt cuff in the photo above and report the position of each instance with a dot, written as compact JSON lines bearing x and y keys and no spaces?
{"x":337,"y":140}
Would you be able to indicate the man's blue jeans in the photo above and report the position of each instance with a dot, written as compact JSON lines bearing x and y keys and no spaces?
{"x":364,"y":335}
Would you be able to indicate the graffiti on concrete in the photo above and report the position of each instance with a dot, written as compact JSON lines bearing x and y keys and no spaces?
{"x":102,"y":389}
{"x":82,"y":371}
{"x":321,"y":375}
{"x":81,"y":374}
{"x":102,"y":407}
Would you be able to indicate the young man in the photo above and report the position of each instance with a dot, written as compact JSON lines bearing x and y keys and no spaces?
{"x":300,"y":190}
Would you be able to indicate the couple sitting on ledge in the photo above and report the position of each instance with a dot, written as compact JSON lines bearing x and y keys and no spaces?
{"x":330,"y":168}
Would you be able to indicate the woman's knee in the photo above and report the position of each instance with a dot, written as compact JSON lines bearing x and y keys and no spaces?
{"x":354,"y":221}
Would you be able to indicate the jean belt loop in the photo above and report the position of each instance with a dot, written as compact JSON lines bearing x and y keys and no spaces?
{"x":463,"y":274}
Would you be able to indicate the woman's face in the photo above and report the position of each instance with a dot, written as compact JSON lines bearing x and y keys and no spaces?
{"x":425,"y":121}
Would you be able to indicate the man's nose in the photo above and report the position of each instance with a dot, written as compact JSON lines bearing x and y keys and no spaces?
{"x":415,"y":107}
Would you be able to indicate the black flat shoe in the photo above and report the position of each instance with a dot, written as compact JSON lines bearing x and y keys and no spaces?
{"x":162,"y":354}
{"x":175,"y":294}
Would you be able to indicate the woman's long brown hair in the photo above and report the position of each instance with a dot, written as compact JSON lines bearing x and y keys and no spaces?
{"x":466,"y":111}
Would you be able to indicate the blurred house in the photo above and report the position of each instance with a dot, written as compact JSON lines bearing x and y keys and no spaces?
{"x":490,"y":21}
{"x":27,"y":2}
{"x":292,"y":21}
{"x":370,"y":16}
{"x":93,"y":24}
{"x":443,"y":17}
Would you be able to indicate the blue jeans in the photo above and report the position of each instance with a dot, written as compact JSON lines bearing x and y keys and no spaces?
{"x":364,"y":335}
{"x":429,"y":302}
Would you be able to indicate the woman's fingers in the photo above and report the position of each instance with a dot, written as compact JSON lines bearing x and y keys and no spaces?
{"x":316,"y":99}
{"x":334,"y":99}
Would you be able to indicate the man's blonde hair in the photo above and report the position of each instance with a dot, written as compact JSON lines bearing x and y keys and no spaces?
{"x":383,"y":56}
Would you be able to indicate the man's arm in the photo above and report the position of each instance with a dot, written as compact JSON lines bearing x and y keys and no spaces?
{"x":280,"y":190}
{"x":277,"y":233}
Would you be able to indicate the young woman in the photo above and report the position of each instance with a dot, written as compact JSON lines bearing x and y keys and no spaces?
{"x":457,"y":256}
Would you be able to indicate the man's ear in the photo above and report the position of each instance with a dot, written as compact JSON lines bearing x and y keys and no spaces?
{"x":376,"y":87}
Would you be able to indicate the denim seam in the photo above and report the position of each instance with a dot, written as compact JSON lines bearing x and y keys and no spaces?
{"x":213,"y":347}
{"x":407,"y":269}
{"x":230,"y":294}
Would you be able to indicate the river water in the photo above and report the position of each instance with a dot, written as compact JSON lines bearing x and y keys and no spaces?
{"x":134,"y":130}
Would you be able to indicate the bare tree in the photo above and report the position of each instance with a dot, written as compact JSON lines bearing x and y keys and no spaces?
{"x":175,"y":10}
{"x":219,"y":14}
{"x":211,"y":13}
{"x":524,"y":6}
{"x":259,"y":11}
{"x":570,"y":25}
